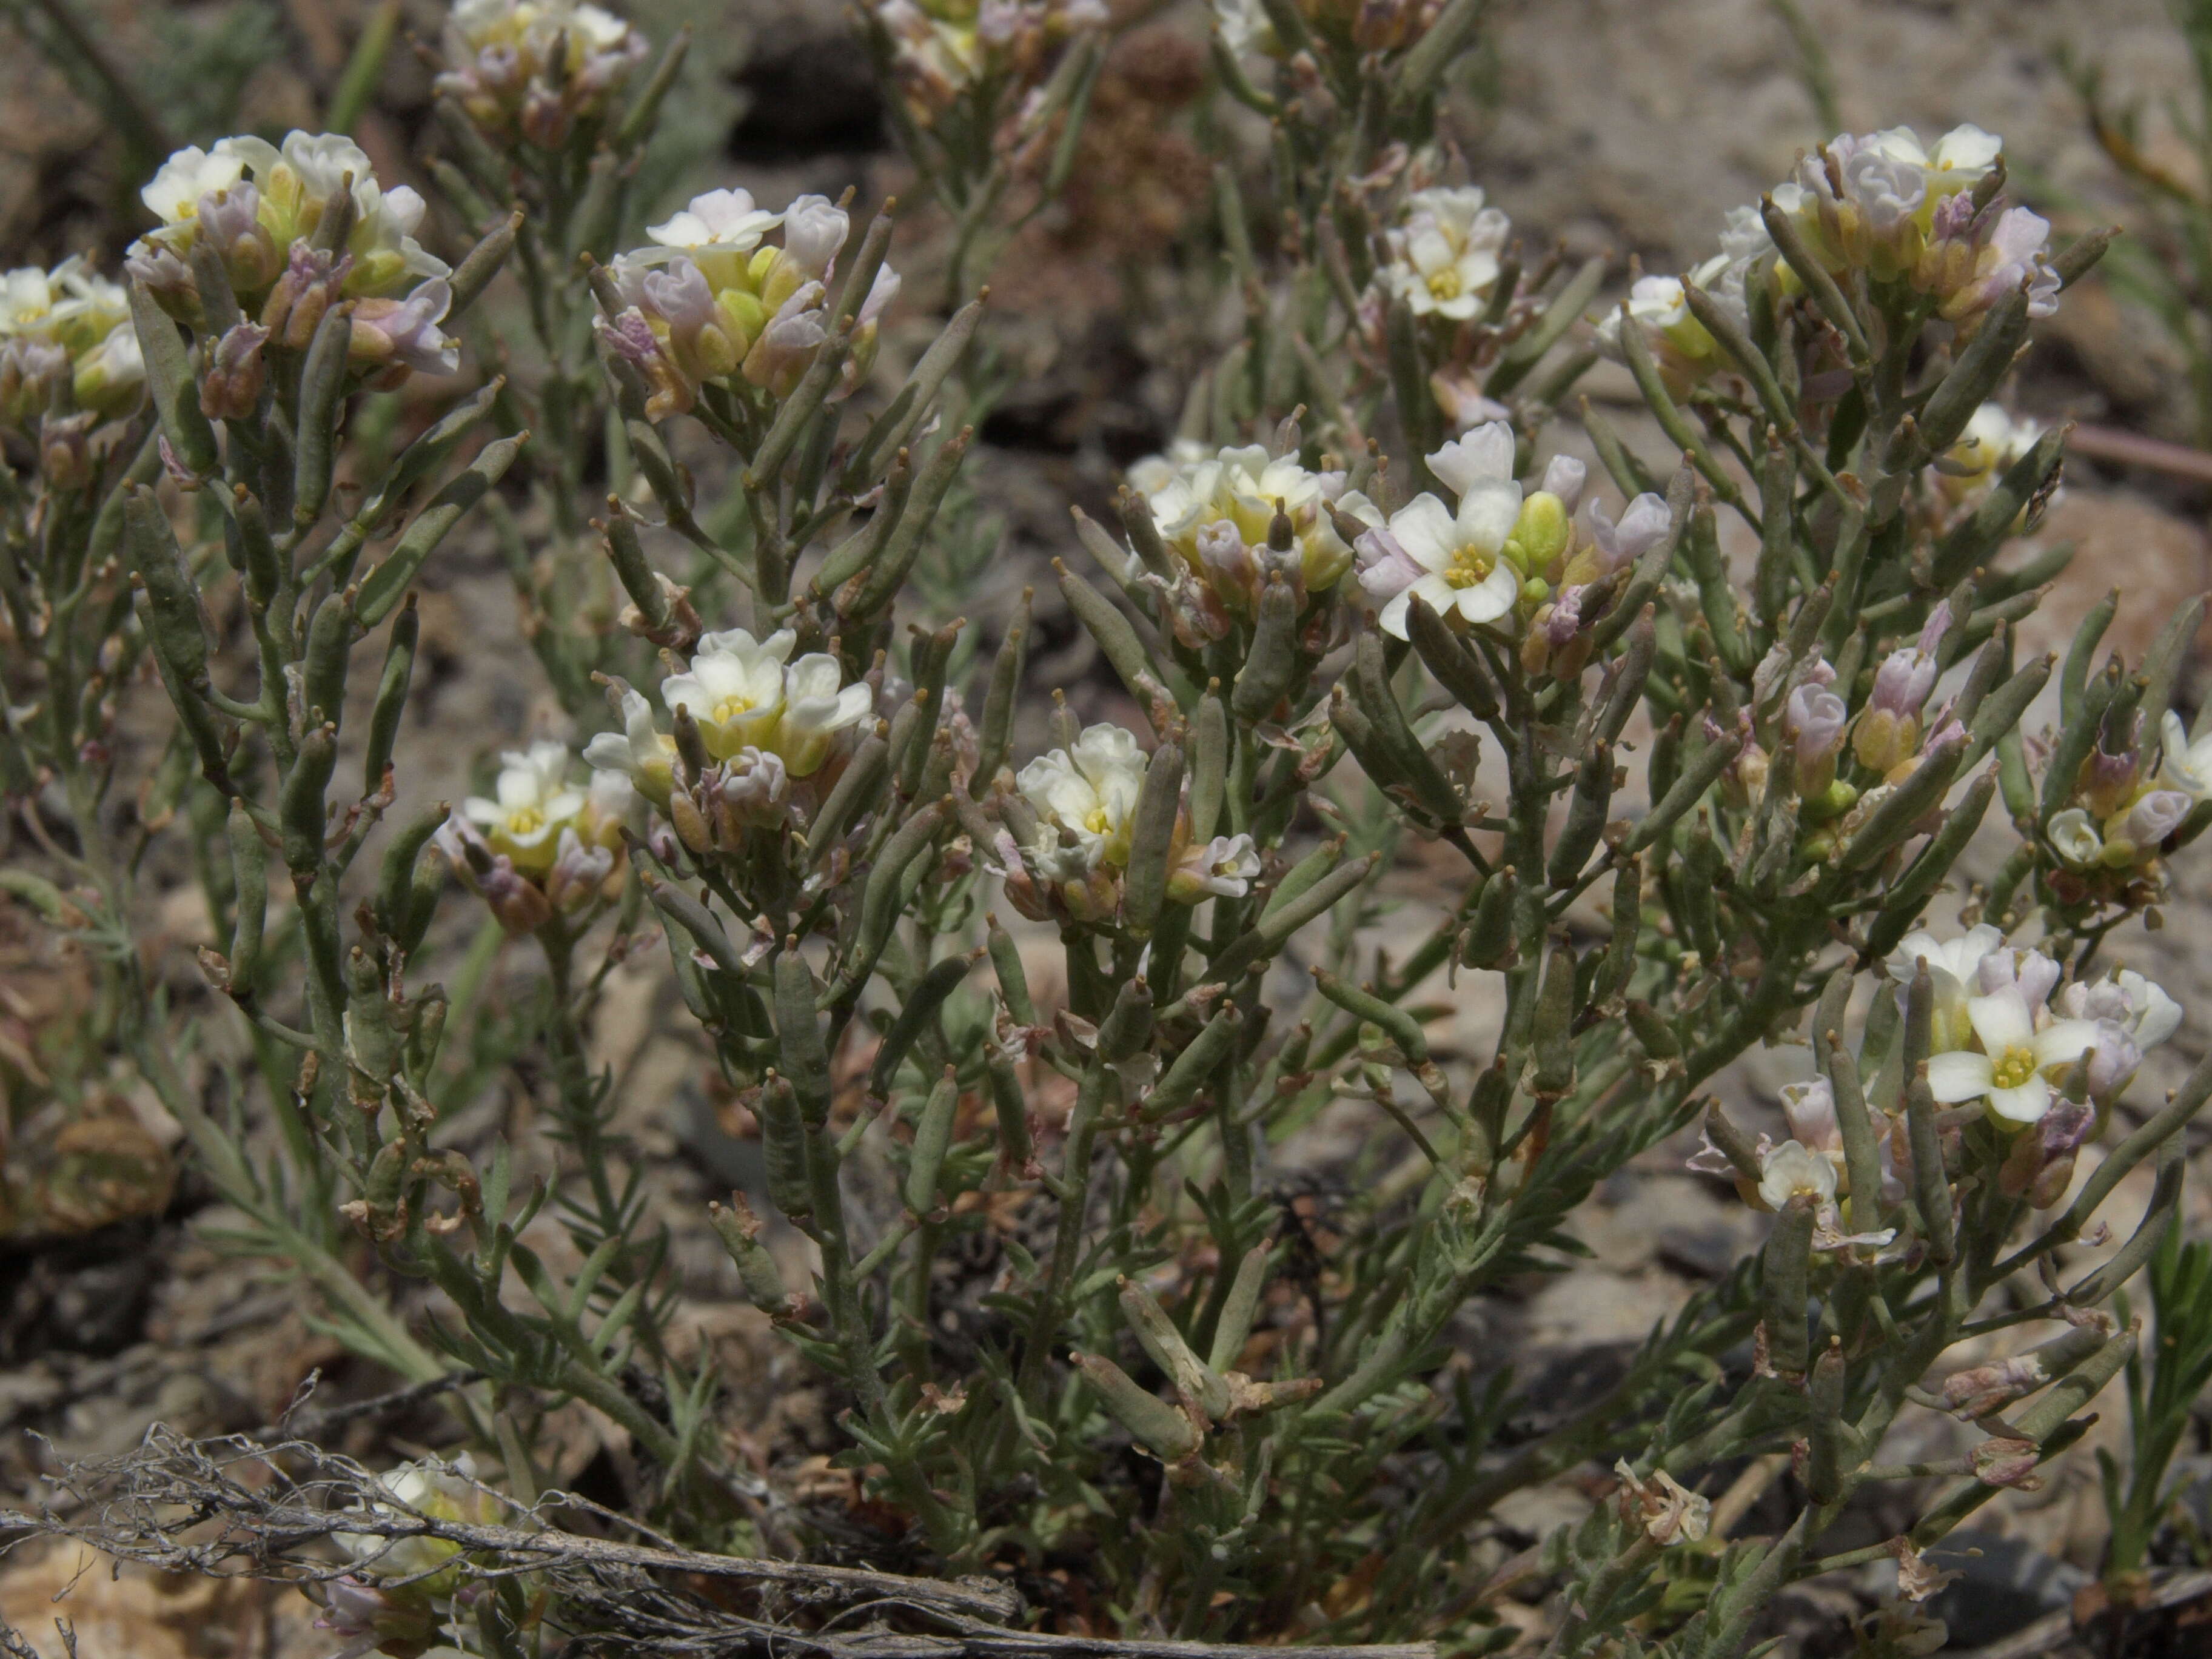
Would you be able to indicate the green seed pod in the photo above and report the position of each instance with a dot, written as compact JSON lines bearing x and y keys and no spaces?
{"x":933,"y":1135}
{"x":384,"y":587}
{"x":1395,"y":1023}
{"x":249,"y":868}
{"x":909,"y":741}
{"x":697,"y":922}
{"x":2162,"y":664}
{"x":1159,"y":802}
{"x":1127,"y":1026}
{"x":1164,"y":1431}
{"x":1116,"y":637}
{"x":2073,"y":677}
{"x":424,"y":457}
{"x":1618,"y":968}
{"x":1585,"y":815}
{"x":1006,"y":963}
{"x":1370,"y":686}
{"x":1195,"y":1065}
{"x":1301,"y":875}
{"x":1015,"y":1147}
{"x":896,"y":426}
{"x":299,"y":805}
{"x":783,"y":1144}
{"x":1627,"y":469}
{"x":1157,"y":1334}
{"x":1552,"y":1036}
{"x":1278,"y":921}
{"x":177,"y":632}
{"x":1564,"y":310}
{"x":1783,"y":1274}
{"x":1272,"y":664}
{"x":1862,"y":1153}
{"x":904,"y":545}
{"x":322,"y":401}
{"x":914,"y":1016}
{"x":670,"y":483}
{"x":1239,"y":1309}
{"x":1490,"y":934}
{"x":1833,"y":1453}
{"x":1627,"y":688}
{"x":1702,"y":772}
{"x":330,"y":635}
{"x":858,"y":790}
{"x":1715,"y":593}
{"x":255,"y":557}
{"x":481,"y":263}
{"x":1889,"y":823}
{"x":627,"y":554}
{"x":1209,"y":763}
{"x":1654,"y":1034}
{"x":395,"y":875}
{"x":390,"y":695}
{"x":1113,"y":559}
{"x":800,"y":1047}
{"x":995,"y":737}
{"x":176,"y":392}
{"x":1816,"y":277}
{"x":739,"y":1228}
{"x":1144,"y":534}
{"x":1974,"y":376}
{"x":1930,"y":1187}
{"x":1456,"y":668}
{"x":2075,"y":1389}
{"x":1778,"y":531}
{"x":1730,"y":1141}
{"x":880,"y":900}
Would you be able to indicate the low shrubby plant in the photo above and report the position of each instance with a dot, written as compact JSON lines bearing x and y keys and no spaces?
{"x":1092,"y":1373}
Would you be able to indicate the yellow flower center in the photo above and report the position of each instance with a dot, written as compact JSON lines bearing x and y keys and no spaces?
{"x":1470,"y":567}
{"x":1445,"y":284}
{"x":1096,"y":822}
{"x":2012,"y":1068}
{"x":729,"y":707}
{"x":525,"y":821}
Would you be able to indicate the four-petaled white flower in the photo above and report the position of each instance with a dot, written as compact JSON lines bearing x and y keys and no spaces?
{"x":1462,"y":554}
{"x":647,"y":758}
{"x":733,"y":689}
{"x":1225,"y":866}
{"x":1791,"y":1168}
{"x":1089,"y":790}
{"x":438,"y":1491}
{"x":2012,"y":1070}
{"x":1955,"y":967}
{"x":535,"y":802}
{"x":2187,"y":765}
{"x":1445,"y":259}
{"x":816,"y":705}
{"x":717,"y":230}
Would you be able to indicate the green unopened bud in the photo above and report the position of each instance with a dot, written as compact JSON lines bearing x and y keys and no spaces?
{"x":1541,"y":533}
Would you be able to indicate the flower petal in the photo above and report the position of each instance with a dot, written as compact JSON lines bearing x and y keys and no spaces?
{"x":1959,"y":1076}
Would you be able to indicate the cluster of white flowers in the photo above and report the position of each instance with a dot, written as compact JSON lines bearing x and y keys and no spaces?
{"x":537,"y":69}
{"x":712,"y":300}
{"x":435,"y":1491}
{"x":2006,"y":1031}
{"x":1681,"y":346}
{"x":1446,"y":253}
{"x":540,"y":846}
{"x":1085,"y":800}
{"x":1216,"y":510}
{"x":66,"y":345}
{"x":1884,"y":204}
{"x":258,"y":207}
{"x":942,"y":48}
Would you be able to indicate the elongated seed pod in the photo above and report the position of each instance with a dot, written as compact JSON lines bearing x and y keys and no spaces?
{"x":1909,"y":893}
{"x":1551,"y":1033}
{"x":1618,"y":968}
{"x":1127,"y":1026}
{"x":1586,"y":813}
{"x":1861,"y":1150}
{"x":904,"y":544}
{"x":1145,"y":878}
{"x":1974,"y":375}
{"x":1636,"y":660}
{"x":1164,"y":1431}
{"x":1012,"y":1109}
{"x":1241,"y":1307}
{"x":801,"y":1050}
{"x":1191,"y":1068}
{"x":914,"y":1016}
{"x":1490,"y":941}
{"x":739,"y":1228}
{"x":1273,"y":661}
{"x":1007,"y":964}
{"x":1655,"y":1035}
{"x":1783,"y":1275}
{"x":300,"y":808}
{"x":697,"y":921}
{"x":1301,"y":875}
{"x":390,"y":695}
{"x":858,"y":790}
{"x":1930,"y":1186}
{"x":169,"y":376}
{"x":1830,"y":1449}
{"x":1777,"y":532}
{"x":896,"y":426}
{"x":1157,"y":1334}
{"x":1814,"y":276}
{"x":1715,"y":758}
{"x":1276,"y":926}
{"x":1395,"y":1023}
{"x":383,"y":587}
{"x":783,"y":1144}
{"x":995,"y":737}
{"x":322,"y":397}
{"x":932,"y":1137}
{"x":1371,"y":685}
{"x":879,"y":899}
{"x":1209,"y":764}
{"x":331,"y":632}
{"x":1920,"y":794}
{"x":249,"y":867}
{"x":1455,"y":667}
{"x":393,"y":906}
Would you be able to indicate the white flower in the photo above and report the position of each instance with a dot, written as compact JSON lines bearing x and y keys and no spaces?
{"x":1955,"y":967}
{"x":1791,"y":1168}
{"x":638,"y":752}
{"x":2135,"y":1005}
{"x":1225,"y":866}
{"x":1462,"y":554}
{"x":2187,"y":765}
{"x":434,"y":1490}
{"x":173,"y":195}
{"x":816,"y":708}
{"x":1244,"y":26}
{"x":535,"y":803}
{"x":1090,"y":790}
{"x":2010,"y":1071}
{"x":1445,"y":259}
{"x":2073,"y":836}
{"x":723,"y":219}
{"x":733,"y":689}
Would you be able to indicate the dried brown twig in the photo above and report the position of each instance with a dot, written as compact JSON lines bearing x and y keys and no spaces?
{"x":234,"y":1507}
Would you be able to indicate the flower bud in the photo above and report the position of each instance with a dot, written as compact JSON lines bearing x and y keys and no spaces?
{"x":1814,"y":719}
{"x":231,"y":390}
{"x":1540,"y":534}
